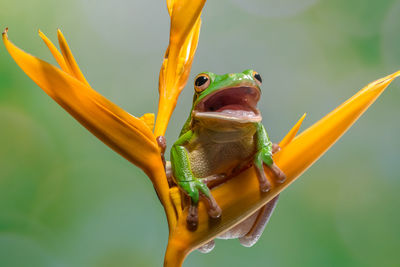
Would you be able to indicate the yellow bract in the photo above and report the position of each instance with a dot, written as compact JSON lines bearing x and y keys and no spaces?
{"x":148,"y":118}
{"x":121,"y":131}
{"x":183,"y":39}
{"x":133,"y":138}
{"x":129,"y":136}
{"x":295,"y":157}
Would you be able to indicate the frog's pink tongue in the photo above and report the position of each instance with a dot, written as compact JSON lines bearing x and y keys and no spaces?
{"x":237,"y":112}
{"x":233,"y":107}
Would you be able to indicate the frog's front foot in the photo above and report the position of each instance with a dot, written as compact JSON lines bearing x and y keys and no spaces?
{"x":264,"y":157}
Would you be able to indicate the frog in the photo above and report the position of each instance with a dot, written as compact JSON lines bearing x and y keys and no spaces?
{"x":222,"y":137}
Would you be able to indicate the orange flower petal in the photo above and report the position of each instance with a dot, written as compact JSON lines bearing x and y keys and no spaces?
{"x":129,"y":136}
{"x":293,"y":159}
{"x":292,"y":133}
{"x":124,"y":133}
{"x":69,"y":58}
{"x":185,"y":29}
{"x":148,"y":118}
{"x":56,"y":54}
{"x":184,"y":16}
{"x":170,"y":6}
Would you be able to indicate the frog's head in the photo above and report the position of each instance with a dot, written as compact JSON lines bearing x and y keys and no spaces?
{"x":230,"y":97}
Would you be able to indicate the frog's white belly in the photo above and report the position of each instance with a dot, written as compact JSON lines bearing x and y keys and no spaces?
{"x":208,"y":155}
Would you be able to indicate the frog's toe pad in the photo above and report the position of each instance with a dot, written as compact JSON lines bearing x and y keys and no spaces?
{"x":192,"y":222}
{"x":248,"y":241}
{"x":215,"y":212}
{"x":275,"y":148}
{"x":265,"y":186}
{"x":192,"y":219}
{"x":207,"y":247}
{"x":280,"y":177}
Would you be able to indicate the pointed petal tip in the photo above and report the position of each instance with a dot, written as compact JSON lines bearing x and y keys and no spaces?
{"x":302,"y":118}
{"x":42,"y":35}
{"x":386,"y":79}
{"x":60,"y":35}
{"x":293,"y":132}
{"x":4,"y":34}
{"x":395,"y":75}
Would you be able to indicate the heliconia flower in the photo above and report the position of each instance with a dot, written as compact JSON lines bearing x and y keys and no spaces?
{"x":183,"y":39}
{"x":133,"y":137}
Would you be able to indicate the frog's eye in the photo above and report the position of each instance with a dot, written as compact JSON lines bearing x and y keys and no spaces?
{"x":257,"y":77}
{"x":201,"y":82}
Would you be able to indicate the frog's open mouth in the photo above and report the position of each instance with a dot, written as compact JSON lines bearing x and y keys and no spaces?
{"x":234,"y":104}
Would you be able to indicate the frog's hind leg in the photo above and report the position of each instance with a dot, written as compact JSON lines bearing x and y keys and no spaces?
{"x":257,"y":229}
{"x":207,"y":247}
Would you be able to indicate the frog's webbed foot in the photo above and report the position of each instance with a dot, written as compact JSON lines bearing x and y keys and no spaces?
{"x":207,"y":247}
{"x":265,"y":185}
{"x":195,"y":189}
{"x":265,"y":157}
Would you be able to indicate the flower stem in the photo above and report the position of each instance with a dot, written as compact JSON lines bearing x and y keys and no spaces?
{"x":175,"y":254}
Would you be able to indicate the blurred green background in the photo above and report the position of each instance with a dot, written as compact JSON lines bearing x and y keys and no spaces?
{"x":68,"y":200}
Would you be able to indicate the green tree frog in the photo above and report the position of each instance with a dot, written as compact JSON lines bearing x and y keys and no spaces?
{"x":223,"y":136}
